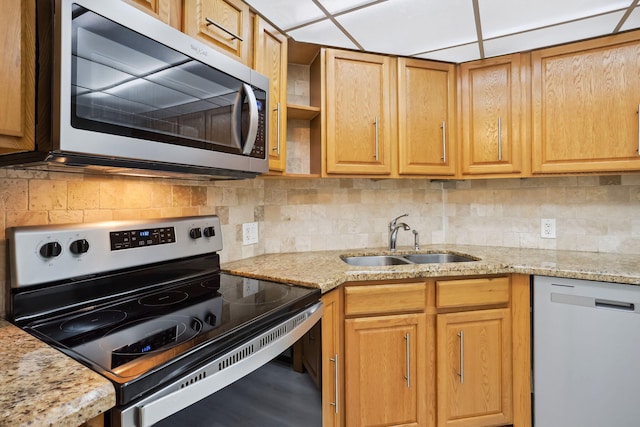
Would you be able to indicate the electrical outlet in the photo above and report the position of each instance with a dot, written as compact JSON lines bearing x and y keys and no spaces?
{"x":548,"y":228}
{"x":250,"y":233}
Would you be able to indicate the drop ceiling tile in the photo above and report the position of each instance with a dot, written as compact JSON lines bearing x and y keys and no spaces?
{"x":287,"y":13}
{"x":336,"y":6}
{"x":633,"y":21}
{"x":464,"y":53}
{"x":407,"y":27}
{"x":500,"y":18}
{"x":577,"y":30}
{"x":323,"y":33}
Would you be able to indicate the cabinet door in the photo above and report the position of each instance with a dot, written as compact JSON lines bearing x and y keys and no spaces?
{"x":492,"y":103}
{"x":270,"y":59}
{"x":17,"y":76}
{"x":426,"y":112}
{"x":225,"y":24}
{"x":384,"y":370}
{"x":358,"y":139}
{"x":474,"y":368}
{"x":332,"y":364}
{"x":585,"y":106}
{"x":168,"y":11}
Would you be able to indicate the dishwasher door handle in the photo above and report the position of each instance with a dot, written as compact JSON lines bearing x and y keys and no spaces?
{"x":615,"y":305}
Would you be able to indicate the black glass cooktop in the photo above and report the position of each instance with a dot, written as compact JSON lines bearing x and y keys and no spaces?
{"x":127,"y":338}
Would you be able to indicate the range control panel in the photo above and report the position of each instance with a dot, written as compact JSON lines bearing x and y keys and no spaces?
{"x":43,"y":254}
{"x":143,"y":237}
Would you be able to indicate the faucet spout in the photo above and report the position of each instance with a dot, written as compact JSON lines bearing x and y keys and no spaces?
{"x":394,"y":226}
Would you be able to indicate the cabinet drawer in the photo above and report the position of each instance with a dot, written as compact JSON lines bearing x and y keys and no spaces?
{"x":381,"y":299}
{"x":472,"y":292}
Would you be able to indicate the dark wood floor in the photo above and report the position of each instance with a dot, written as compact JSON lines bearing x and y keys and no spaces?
{"x":273,"y":396}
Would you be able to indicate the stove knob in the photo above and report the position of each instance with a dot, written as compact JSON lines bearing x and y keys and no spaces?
{"x":210,"y":318}
{"x":195,"y":233}
{"x":50,"y":250}
{"x":209,"y":232}
{"x":78,"y":247}
{"x":195,"y":324}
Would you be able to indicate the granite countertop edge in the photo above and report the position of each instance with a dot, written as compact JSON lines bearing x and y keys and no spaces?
{"x":326,"y":270}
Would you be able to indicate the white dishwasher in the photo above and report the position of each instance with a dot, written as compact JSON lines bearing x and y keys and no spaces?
{"x":586,"y":353}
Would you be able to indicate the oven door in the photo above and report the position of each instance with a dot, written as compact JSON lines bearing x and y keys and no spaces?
{"x":218,"y":373}
{"x":129,"y":86}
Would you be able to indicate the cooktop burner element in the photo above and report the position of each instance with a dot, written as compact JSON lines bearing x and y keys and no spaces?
{"x":145,"y":316}
{"x":93,"y":320}
{"x":163,"y":298}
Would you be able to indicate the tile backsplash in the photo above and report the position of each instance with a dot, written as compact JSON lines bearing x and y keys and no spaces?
{"x":592,"y":213}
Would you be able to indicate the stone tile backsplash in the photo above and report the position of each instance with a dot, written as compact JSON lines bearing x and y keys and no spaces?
{"x":592,"y":213}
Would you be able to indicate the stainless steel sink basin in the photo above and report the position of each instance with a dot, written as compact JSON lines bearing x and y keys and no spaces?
{"x":437,"y":258}
{"x":374,"y":260}
{"x":382,"y":260}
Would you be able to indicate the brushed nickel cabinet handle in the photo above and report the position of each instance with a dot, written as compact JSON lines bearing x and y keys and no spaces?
{"x":336,"y":396}
{"x":407,"y":339}
{"x":215,"y":24}
{"x":377,"y":125}
{"x":461,"y":372}
{"x":444,"y":142}
{"x":499,"y":139}
{"x":277,"y":147}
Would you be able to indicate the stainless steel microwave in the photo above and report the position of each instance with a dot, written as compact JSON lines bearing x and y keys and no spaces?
{"x":125,"y":93}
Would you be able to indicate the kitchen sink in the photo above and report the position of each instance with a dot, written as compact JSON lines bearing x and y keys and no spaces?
{"x":427,"y":258}
{"x":438,"y":258}
{"x":374,"y":260}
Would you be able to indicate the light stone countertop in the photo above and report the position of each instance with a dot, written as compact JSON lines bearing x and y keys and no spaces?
{"x":325,"y":269}
{"x":40,"y":386}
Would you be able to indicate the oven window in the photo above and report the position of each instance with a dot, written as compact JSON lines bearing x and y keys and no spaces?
{"x":124,"y":83}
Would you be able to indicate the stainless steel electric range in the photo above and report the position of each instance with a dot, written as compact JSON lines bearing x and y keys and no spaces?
{"x":144,"y":304}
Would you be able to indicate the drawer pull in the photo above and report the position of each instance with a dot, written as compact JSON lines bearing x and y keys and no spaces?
{"x":215,"y":24}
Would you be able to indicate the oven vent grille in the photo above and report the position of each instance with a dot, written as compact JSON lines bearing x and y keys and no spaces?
{"x":194,"y":379}
{"x":274,"y":335}
{"x":299,"y":319}
{"x":235,"y":357}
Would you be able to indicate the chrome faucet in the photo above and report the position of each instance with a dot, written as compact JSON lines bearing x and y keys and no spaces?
{"x":393,"y":231}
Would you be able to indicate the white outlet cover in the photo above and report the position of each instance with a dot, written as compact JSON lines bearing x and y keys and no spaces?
{"x":548,"y":228}
{"x":250,"y":233}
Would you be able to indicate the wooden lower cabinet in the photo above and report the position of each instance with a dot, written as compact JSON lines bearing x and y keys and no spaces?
{"x":449,"y":352}
{"x":384,"y":370}
{"x":474,"y":368}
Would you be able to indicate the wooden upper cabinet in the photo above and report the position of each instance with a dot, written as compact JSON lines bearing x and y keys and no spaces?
{"x":358,"y":113}
{"x":270,"y":59}
{"x":585,"y":106}
{"x":426,"y":117}
{"x":168,"y":11}
{"x":225,"y":24}
{"x":17,"y":76}
{"x":492,"y":107}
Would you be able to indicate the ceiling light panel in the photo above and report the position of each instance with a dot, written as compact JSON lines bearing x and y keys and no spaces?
{"x":407,"y":27}
{"x":287,"y":14}
{"x":464,"y":53}
{"x":500,"y":18}
{"x":549,"y":36}
{"x":633,"y":21}
{"x":323,"y":33}
{"x":337,"y":6}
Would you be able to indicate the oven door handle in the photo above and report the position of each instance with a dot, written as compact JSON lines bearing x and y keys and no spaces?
{"x":155,"y":410}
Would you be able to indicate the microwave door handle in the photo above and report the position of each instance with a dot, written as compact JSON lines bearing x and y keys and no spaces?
{"x":248,"y":143}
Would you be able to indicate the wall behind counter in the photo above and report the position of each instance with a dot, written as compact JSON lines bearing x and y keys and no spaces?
{"x":592,"y":213}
